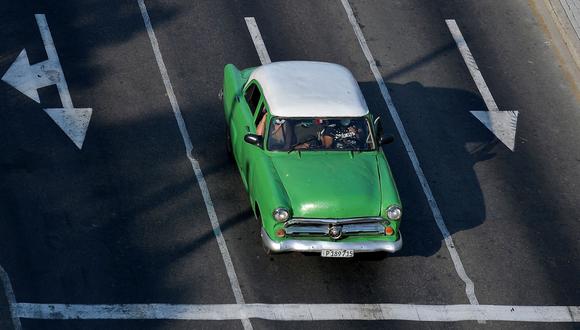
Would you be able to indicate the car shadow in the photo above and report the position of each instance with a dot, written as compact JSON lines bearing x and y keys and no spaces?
{"x":448,"y":142}
{"x":438,"y":118}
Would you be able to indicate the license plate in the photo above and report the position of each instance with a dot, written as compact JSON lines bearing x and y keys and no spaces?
{"x":337,"y":253}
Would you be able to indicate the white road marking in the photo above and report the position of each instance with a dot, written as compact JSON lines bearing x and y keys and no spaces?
{"x":469,"y":287}
{"x":572,"y":9}
{"x":73,"y":122}
{"x":501,"y":123}
{"x":235,"y":285}
{"x":27,"y":79}
{"x":11,"y":299}
{"x":302,"y":312}
{"x":62,"y":86}
{"x":20,"y":75}
{"x":258,"y":41}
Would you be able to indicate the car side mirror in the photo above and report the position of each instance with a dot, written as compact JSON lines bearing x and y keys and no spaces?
{"x":386,"y":139}
{"x":254,"y":139}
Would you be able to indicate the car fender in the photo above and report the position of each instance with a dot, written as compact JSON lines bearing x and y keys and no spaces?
{"x":389,"y":193}
{"x":233,"y":83}
{"x":266,"y":190}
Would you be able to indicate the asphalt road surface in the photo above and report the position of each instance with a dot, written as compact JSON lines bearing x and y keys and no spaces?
{"x":124,"y":220}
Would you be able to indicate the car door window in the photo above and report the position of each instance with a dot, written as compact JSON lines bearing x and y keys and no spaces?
{"x":252,"y":97}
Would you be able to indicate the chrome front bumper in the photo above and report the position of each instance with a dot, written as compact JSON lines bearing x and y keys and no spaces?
{"x":296,"y":245}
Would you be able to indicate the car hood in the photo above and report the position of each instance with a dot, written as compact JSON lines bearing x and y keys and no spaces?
{"x":331,"y":184}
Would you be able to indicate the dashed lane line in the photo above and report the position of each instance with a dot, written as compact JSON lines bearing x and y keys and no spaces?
{"x":234,"y":283}
{"x":469,"y":286}
{"x":301,"y":312}
{"x":257,"y":39}
{"x":10,"y":298}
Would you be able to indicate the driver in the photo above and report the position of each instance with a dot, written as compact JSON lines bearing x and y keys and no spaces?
{"x":344,"y":134}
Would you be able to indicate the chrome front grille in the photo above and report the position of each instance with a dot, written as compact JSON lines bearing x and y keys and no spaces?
{"x":338,"y":227}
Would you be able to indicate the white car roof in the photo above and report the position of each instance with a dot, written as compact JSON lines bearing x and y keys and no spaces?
{"x":310,"y":89}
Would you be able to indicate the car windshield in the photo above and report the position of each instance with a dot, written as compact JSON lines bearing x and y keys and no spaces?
{"x":287,"y":134}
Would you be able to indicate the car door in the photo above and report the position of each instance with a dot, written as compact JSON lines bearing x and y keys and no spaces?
{"x":251,"y":153}
{"x":243,"y":122}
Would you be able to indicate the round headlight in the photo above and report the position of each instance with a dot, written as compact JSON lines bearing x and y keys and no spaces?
{"x":394,"y":212}
{"x":281,"y":214}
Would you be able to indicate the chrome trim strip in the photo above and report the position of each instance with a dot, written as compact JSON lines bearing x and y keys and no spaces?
{"x":373,"y":228}
{"x":317,"y":246}
{"x":295,"y":221}
{"x":365,"y":228}
{"x":315,"y":230}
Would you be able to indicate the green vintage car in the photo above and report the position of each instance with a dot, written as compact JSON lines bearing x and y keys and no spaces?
{"x":309,"y":155}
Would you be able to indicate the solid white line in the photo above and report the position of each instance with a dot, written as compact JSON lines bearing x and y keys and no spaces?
{"x":235,"y":285}
{"x":11,"y":298}
{"x":302,"y":312}
{"x":469,"y":287}
{"x":258,"y":41}
{"x":471,"y":65}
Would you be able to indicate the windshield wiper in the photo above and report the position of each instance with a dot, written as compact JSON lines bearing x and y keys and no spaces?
{"x":293,"y":147}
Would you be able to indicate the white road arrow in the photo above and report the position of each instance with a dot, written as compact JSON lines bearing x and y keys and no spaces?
{"x":501,"y":123}
{"x":29,"y":78}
